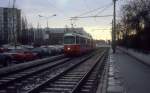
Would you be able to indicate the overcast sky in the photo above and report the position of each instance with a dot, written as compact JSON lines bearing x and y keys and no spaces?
{"x":64,"y":9}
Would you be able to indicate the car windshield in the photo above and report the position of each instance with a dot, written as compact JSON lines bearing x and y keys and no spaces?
{"x":69,"y":40}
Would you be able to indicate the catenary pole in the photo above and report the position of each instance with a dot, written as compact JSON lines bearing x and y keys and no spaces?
{"x":114,"y":28}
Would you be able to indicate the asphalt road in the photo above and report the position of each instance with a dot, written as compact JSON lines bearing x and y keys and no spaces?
{"x":136,"y":75}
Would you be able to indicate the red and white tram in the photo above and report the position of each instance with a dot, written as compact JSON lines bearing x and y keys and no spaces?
{"x":76,"y":43}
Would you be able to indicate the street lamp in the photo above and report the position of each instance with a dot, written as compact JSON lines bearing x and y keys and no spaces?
{"x":47,"y":17}
{"x":46,"y":37}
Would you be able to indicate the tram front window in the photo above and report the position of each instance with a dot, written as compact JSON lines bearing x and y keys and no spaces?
{"x":69,"y":40}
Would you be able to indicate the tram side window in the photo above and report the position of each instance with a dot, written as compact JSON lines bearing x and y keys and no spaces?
{"x":77,"y":40}
{"x":88,"y":42}
{"x":83,"y":42}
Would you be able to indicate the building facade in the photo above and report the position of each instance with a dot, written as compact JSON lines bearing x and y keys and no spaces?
{"x":56,"y":34}
{"x":10,"y":18}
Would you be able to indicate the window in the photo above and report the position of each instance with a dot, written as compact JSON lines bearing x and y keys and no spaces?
{"x":77,"y":40}
{"x":69,"y":40}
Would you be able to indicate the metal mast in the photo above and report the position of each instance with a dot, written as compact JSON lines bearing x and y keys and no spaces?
{"x":114,"y":28}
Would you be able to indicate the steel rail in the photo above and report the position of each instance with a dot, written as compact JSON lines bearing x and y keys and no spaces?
{"x":90,"y":84}
{"x":81,"y":82}
{"x":11,"y":81}
{"x":46,"y":83}
{"x":29,"y":72}
{"x":19,"y":67}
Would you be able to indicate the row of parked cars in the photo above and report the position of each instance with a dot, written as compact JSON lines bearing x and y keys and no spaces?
{"x":23,"y":53}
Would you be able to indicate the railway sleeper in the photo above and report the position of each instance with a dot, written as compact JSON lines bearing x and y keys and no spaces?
{"x":61,"y":85}
{"x":69,"y":80}
{"x":3,"y":91}
{"x":74,"y":75}
{"x":85,"y":91}
{"x":78,"y":70}
{"x":71,"y":77}
{"x":57,"y":89}
{"x":92,"y":81}
{"x":66,"y":82}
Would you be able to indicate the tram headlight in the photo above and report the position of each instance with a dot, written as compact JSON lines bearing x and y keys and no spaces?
{"x":68,"y":48}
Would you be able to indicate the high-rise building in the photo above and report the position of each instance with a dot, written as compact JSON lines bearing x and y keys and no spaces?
{"x":10,"y":24}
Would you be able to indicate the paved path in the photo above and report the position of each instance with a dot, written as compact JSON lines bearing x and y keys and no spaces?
{"x":136,"y":76}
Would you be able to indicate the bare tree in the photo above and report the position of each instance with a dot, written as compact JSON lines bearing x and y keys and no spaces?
{"x":135,"y":22}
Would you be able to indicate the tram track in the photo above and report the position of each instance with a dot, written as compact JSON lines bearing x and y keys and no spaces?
{"x":90,"y":84}
{"x":25,"y":79}
{"x":32,"y":79}
{"x":23,"y":66}
{"x":10,"y":75}
{"x":71,"y":79}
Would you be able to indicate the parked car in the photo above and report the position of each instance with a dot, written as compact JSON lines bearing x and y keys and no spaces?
{"x":47,"y":50}
{"x":2,"y":49}
{"x":5,"y":60}
{"x":41,"y":52}
{"x":21,"y":55}
{"x":60,"y":48}
{"x":27,"y":47}
{"x":56,"y":49}
{"x":53,"y":49}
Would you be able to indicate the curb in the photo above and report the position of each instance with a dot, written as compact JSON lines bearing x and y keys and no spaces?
{"x":114,"y":82}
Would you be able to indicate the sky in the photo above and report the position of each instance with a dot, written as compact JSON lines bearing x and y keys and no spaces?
{"x":99,"y":27}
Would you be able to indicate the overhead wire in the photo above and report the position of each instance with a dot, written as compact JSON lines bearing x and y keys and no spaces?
{"x":93,"y":10}
{"x":62,"y":12}
{"x":92,"y":16}
{"x":95,"y":16}
{"x":85,"y":13}
{"x":9,"y":3}
{"x":57,"y":9}
{"x":105,"y":8}
{"x":102,"y":9}
{"x":86,"y":5}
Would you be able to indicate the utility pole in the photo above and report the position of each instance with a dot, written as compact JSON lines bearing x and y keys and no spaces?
{"x":47,"y":17}
{"x":114,"y":28}
{"x":47,"y":27}
{"x":47,"y":23}
{"x":13,"y":28}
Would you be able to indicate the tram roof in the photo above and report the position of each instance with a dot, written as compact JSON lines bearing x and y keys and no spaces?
{"x":85,"y":35}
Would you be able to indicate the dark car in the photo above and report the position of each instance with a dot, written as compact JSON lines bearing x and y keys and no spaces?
{"x":3,"y":49}
{"x":5,"y":60}
{"x":41,"y":52}
{"x":53,"y":49}
{"x":57,"y":49}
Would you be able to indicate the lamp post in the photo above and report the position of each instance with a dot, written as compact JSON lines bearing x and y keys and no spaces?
{"x":46,"y":17}
{"x":114,"y":28}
